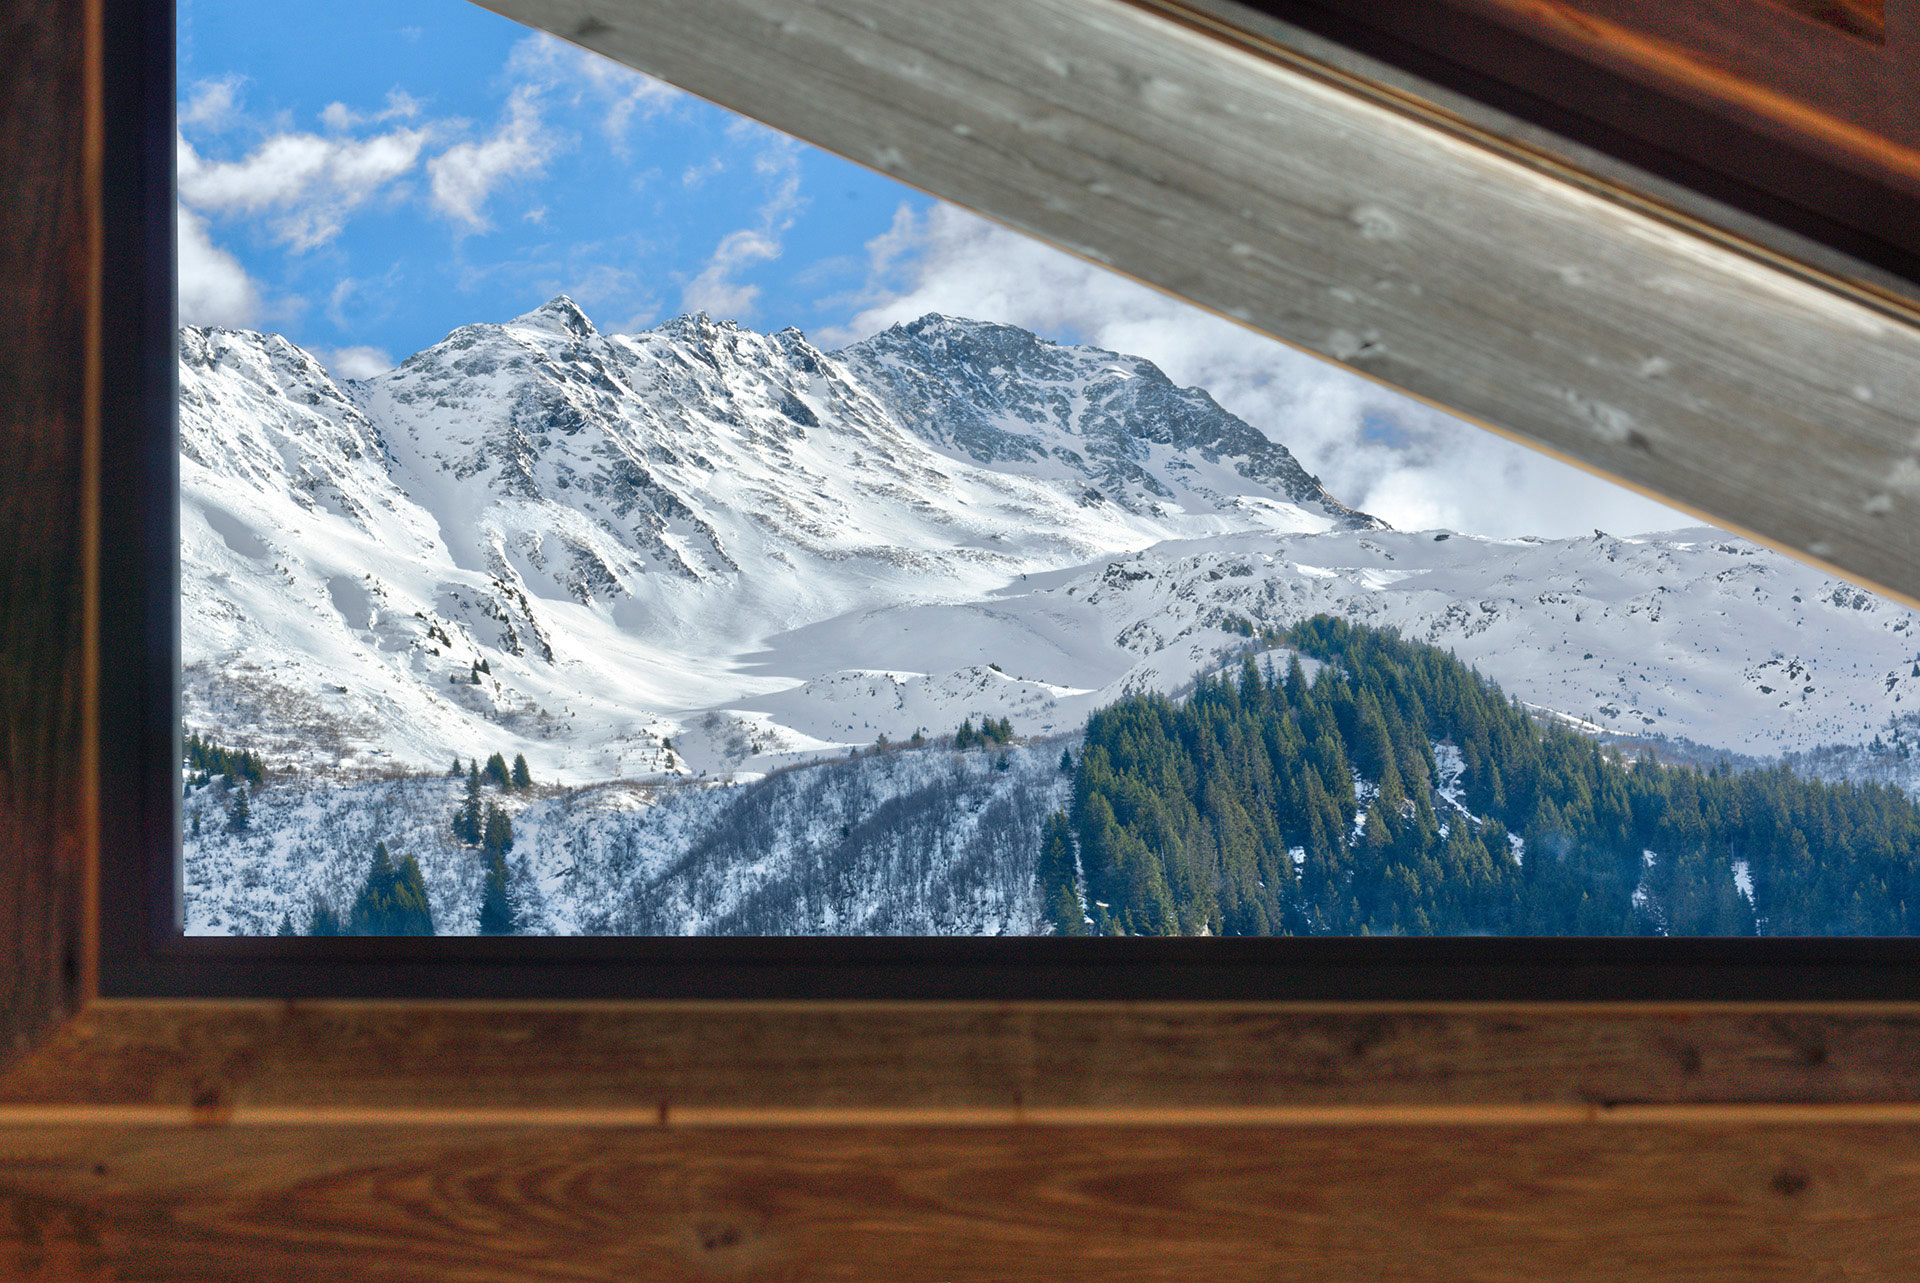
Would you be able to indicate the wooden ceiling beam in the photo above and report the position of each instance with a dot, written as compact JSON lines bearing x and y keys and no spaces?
{"x":1560,"y":307}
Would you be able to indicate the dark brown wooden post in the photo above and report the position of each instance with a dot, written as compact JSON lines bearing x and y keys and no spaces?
{"x":47,"y":255}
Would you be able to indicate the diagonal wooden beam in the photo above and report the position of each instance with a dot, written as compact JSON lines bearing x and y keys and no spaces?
{"x":1354,"y":221}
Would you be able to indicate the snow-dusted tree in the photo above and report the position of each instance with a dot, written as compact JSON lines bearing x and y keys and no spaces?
{"x":467,"y":820}
{"x":523,"y":778}
{"x":496,"y":915}
{"x":393,"y":901}
{"x":497,"y":838}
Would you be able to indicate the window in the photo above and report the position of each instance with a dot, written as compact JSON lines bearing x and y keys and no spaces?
{"x":941,"y":629}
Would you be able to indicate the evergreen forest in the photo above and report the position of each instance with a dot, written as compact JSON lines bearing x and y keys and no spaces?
{"x":1383,"y":787}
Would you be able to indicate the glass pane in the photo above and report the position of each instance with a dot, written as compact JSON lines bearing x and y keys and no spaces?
{"x":601,"y":514}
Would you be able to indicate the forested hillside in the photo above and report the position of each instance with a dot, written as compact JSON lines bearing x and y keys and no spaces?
{"x":1398,"y":791}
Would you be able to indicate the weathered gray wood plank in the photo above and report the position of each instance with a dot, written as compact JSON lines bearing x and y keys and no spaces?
{"x":1775,"y":399}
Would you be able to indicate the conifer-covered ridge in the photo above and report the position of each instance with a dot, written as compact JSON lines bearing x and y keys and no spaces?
{"x":1395,"y":790}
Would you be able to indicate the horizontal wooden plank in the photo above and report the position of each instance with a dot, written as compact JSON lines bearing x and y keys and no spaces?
{"x":733,"y":1065}
{"x":1033,"y":1202}
{"x":1354,"y":224}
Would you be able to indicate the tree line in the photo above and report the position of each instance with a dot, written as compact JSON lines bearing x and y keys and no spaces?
{"x":1267,"y":803}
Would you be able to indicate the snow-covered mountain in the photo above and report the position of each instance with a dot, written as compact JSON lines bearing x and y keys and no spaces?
{"x":615,"y":524}
{"x":702,"y":549}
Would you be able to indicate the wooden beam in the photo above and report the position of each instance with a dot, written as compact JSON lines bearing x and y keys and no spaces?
{"x":595,"y":1140}
{"x":1358,"y":223}
{"x":1572,"y":1203}
{"x":697,"y":1064}
{"x":47,"y":246}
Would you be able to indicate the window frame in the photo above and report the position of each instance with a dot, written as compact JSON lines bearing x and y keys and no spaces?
{"x":143,"y":954}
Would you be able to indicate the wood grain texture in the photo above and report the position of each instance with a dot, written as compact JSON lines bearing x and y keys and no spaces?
{"x":703,"y":1063}
{"x":1778,"y":402}
{"x":1568,"y":1203}
{"x":45,"y":266}
{"x":1788,"y":72}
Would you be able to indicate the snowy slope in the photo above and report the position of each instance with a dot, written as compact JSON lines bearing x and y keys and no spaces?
{"x":759,"y":552}
{"x":616,"y":525}
{"x":1688,"y":635}
{"x":911,"y":843}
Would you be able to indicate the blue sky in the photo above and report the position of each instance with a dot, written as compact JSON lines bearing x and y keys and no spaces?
{"x":365,"y":177}
{"x":382,"y":173}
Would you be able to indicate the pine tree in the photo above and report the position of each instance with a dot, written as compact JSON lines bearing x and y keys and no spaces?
{"x":457,"y":770}
{"x":392,"y":901}
{"x":467,"y":820}
{"x":496,"y":915}
{"x":239,"y":812}
{"x":497,"y":836}
{"x":497,"y":773}
{"x":1066,"y":761}
{"x":372,"y":907}
{"x":286,"y":925}
{"x":413,"y":915}
{"x":523,"y":778}
{"x":964,"y":737}
{"x":323,"y":921}
{"x":1059,"y":897}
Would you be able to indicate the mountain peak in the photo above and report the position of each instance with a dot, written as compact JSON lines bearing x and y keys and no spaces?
{"x":559,"y":313}
{"x":938,"y":325}
{"x":699,"y":325}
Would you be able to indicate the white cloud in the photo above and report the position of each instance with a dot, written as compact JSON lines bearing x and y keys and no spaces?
{"x":214,"y":288}
{"x":465,"y":175}
{"x":714,"y":290}
{"x":1406,"y":462}
{"x":779,"y":165}
{"x":337,"y":300}
{"x":616,"y":91}
{"x":401,"y":105}
{"x":212,"y":102}
{"x":356,"y":362}
{"x":697,"y":175}
{"x":306,"y":185}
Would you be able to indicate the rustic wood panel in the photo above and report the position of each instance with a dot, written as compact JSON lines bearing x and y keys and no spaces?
{"x":1795,"y":76}
{"x":1794,"y":1204}
{"x":251,"y":1062}
{"x":1507,"y":82}
{"x":1777,"y":401}
{"x":45,"y":273}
